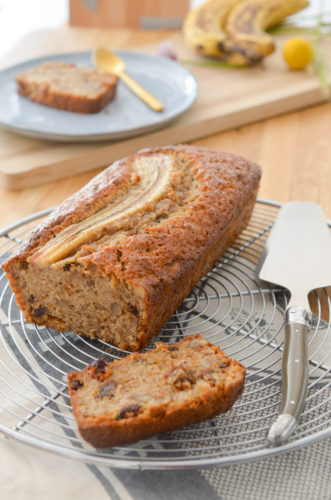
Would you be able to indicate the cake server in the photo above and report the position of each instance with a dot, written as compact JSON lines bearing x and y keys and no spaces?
{"x":297,"y":256}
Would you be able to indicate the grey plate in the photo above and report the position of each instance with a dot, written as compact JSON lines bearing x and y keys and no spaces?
{"x":126,"y":116}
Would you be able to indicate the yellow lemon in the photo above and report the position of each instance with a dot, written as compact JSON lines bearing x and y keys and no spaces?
{"x":297,"y":52}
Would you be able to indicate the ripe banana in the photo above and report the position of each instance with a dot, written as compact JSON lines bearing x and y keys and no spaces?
{"x":233,"y":31}
{"x":247,"y":22}
{"x":203,"y":30}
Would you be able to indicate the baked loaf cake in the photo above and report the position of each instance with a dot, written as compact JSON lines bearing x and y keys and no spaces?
{"x":117,"y":258}
{"x":67,"y":86}
{"x":158,"y":391}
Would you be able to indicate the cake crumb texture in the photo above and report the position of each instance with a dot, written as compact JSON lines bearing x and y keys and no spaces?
{"x":148,"y":393}
{"x":68,"y":87}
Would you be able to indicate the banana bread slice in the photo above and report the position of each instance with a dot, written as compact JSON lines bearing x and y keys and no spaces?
{"x":67,"y":86}
{"x":158,"y":391}
{"x":116,"y":259}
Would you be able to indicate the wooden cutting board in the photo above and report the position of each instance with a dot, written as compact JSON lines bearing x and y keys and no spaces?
{"x":228,"y":98}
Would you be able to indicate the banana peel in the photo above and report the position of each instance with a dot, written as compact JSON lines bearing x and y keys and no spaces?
{"x":203,"y":30}
{"x":233,"y":31}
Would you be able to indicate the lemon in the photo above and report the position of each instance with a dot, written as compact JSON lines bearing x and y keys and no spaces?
{"x":297,"y":52}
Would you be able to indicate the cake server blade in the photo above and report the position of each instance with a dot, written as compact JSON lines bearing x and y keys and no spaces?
{"x":297,"y":256}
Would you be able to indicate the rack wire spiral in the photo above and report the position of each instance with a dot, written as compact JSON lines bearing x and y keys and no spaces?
{"x":230,"y":307}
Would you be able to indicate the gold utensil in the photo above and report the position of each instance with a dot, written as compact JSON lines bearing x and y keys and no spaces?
{"x":110,"y":63}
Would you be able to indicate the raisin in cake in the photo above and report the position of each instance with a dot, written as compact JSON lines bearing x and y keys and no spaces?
{"x":67,"y":86}
{"x":117,"y":258}
{"x":158,"y":391}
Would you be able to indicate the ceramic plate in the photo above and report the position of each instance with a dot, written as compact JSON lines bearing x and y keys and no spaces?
{"x":125,"y":116}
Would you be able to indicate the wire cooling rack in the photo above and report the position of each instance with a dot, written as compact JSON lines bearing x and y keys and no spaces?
{"x":230,"y":307}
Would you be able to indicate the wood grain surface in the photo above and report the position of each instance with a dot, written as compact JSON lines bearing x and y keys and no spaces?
{"x":294,"y":150}
{"x":228,"y":98}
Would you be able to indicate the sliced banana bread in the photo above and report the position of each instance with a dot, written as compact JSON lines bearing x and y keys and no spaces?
{"x":67,"y":86}
{"x":158,"y":391}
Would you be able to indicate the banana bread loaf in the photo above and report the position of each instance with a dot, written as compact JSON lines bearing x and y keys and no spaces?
{"x":158,"y":391}
{"x":67,"y":86}
{"x":117,"y":258}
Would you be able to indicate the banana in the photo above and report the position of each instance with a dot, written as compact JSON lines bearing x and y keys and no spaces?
{"x":247,"y":22}
{"x":203,"y":30}
{"x":233,"y":31}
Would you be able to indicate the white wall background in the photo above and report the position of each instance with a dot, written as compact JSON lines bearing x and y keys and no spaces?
{"x":18,"y":17}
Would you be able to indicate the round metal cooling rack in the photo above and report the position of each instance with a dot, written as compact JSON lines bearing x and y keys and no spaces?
{"x":230,"y":307}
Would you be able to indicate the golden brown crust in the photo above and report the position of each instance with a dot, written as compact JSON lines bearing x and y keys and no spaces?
{"x":164,"y":261}
{"x":168,"y":260}
{"x":232,"y":171}
{"x":207,"y":393}
{"x":49,"y":93}
{"x":88,"y":200}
